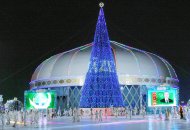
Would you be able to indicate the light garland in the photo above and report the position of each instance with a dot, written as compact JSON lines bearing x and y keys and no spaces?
{"x":101,"y":88}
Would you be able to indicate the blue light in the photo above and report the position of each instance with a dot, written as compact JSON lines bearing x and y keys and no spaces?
{"x":101,"y":88}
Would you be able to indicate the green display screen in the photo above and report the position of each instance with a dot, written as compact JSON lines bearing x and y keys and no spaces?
{"x":40,"y":100}
{"x":162,"y":98}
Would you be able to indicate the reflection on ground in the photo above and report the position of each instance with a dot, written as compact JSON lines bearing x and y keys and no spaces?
{"x":111,"y":123}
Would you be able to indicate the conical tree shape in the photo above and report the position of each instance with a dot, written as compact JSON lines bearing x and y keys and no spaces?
{"x":101,"y":88}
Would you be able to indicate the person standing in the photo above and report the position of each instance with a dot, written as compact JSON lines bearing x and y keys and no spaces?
{"x":154,"y":111}
{"x":100,"y":115}
{"x":20,"y":116}
{"x":7,"y":114}
{"x":184,"y":113}
{"x":31,"y":117}
{"x":116,"y":112}
{"x":81,"y":113}
{"x":15,"y":118}
{"x":130,"y":113}
{"x":166,"y":114}
{"x":112,"y":110}
{"x":74,"y":115}
{"x":36,"y":118}
{"x":126,"y":112}
{"x":71,"y":111}
{"x":24,"y":117}
{"x":106,"y":113}
{"x":91,"y":113}
{"x":77,"y":115}
{"x":175,"y":112}
{"x":188,"y":113}
{"x":160,"y":113}
{"x":59,"y":112}
{"x":143,"y":111}
{"x":135,"y":111}
{"x":2,"y":118}
{"x":172,"y":112}
{"x":181,"y":112}
{"x":96,"y":115}
{"x":48,"y":113}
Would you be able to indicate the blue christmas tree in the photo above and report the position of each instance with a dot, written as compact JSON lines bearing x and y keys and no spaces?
{"x":101,"y":88}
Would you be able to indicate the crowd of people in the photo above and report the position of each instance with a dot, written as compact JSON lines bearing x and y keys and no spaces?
{"x":172,"y":113}
{"x":32,"y":117}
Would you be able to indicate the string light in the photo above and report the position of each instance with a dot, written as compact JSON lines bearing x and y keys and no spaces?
{"x":101,"y":87}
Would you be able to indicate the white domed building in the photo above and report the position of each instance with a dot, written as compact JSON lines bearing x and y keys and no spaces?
{"x":137,"y":71}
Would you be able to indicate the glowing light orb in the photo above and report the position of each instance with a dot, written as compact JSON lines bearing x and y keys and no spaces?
{"x":101,"y":4}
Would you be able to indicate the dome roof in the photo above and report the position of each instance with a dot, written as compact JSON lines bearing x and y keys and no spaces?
{"x":133,"y":66}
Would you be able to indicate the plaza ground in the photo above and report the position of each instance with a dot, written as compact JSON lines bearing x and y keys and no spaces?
{"x":112,"y":123}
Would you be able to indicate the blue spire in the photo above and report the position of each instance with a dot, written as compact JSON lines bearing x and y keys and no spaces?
{"x":101,"y":88}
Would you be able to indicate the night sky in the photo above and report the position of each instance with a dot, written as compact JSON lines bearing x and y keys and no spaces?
{"x":33,"y":30}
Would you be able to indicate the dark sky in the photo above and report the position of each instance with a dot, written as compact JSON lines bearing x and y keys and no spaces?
{"x":33,"y":30}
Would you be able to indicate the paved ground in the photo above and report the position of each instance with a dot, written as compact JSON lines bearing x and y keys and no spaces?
{"x":121,"y":123}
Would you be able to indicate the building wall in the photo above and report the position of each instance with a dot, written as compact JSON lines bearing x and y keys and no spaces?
{"x":133,"y":96}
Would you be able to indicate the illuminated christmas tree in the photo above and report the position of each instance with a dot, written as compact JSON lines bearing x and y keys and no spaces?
{"x":101,"y":88}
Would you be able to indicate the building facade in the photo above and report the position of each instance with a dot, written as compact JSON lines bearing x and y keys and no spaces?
{"x":137,"y":71}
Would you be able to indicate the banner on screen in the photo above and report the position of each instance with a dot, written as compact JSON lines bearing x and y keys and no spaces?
{"x":162,"y":97}
{"x":40,"y":100}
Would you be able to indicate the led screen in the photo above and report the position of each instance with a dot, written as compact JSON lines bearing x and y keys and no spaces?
{"x":162,"y":98}
{"x":40,"y":100}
